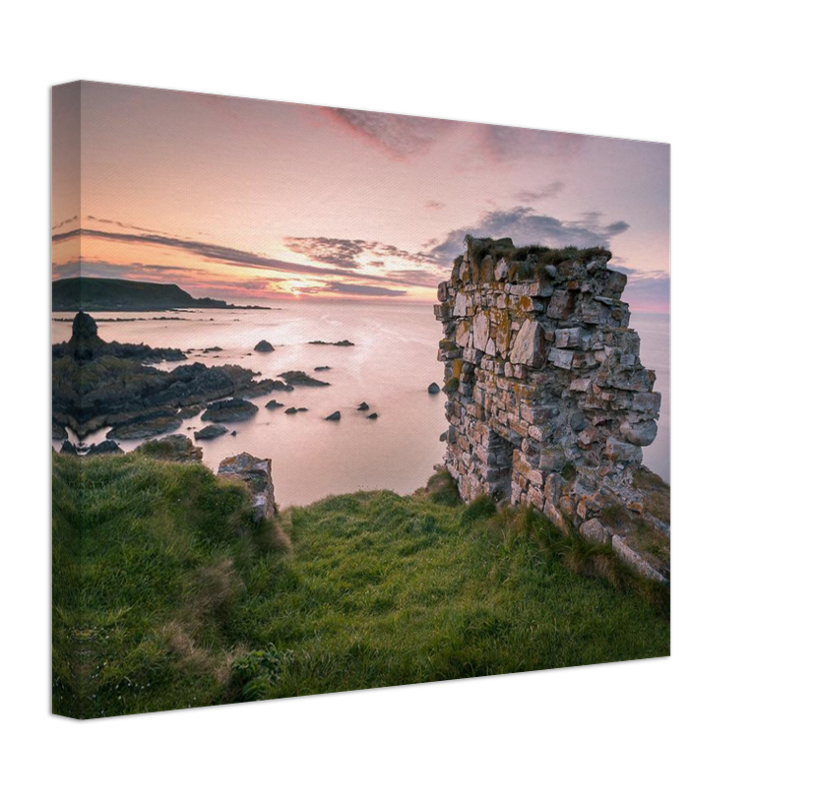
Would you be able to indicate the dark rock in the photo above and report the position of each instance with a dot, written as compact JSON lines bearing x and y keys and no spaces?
{"x":433,"y":388}
{"x":95,"y":384}
{"x":373,"y":416}
{"x":186,"y":412}
{"x":215,"y":349}
{"x":297,"y":377}
{"x":363,"y":407}
{"x":294,"y":410}
{"x":234,"y":433}
{"x":333,"y":417}
{"x":280,"y":386}
{"x":273,"y":404}
{"x":68,"y":448}
{"x":264,"y":347}
{"x":321,"y":369}
{"x":211,"y":432}
{"x":58,"y":432}
{"x":343,"y":343}
{"x":108,"y":446}
{"x":443,"y":437}
{"x":232,"y":410}
{"x":266,"y":386}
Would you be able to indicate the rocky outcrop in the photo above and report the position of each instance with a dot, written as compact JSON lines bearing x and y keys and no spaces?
{"x":548,"y":402}
{"x":343,"y":343}
{"x":264,"y":347}
{"x":232,"y":410}
{"x":335,"y":417}
{"x":108,"y":447}
{"x":211,"y":432}
{"x":297,"y":377}
{"x":96,"y":384}
{"x":256,"y":473}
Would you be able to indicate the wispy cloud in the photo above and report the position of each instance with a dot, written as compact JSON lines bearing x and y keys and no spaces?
{"x":550,"y":190}
{"x":524,"y":226}
{"x":242,"y":258}
{"x":348,"y":252}
{"x":502,"y":144}
{"x":398,"y":135}
{"x":340,"y":252}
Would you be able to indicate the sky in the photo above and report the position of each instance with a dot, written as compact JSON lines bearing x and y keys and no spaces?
{"x":252,"y":199}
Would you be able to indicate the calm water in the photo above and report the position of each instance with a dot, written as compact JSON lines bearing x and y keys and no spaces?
{"x":390,"y":367}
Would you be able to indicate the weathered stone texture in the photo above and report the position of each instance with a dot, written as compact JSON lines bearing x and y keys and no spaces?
{"x":548,"y":401}
{"x":256,"y":473}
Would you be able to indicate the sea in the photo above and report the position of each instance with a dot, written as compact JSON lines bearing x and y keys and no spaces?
{"x":389,"y":368}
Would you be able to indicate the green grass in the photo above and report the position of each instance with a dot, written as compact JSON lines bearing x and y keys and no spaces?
{"x":185,"y":601}
{"x":528,"y":261}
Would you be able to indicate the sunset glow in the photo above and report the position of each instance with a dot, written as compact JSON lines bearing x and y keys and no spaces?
{"x":238,"y":198}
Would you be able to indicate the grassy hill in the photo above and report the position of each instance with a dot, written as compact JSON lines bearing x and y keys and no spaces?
{"x":186,"y":601}
{"x":89,"y":294}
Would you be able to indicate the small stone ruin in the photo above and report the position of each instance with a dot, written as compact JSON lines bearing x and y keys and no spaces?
{"x":256,"y":473}
{"x":547,"y":400}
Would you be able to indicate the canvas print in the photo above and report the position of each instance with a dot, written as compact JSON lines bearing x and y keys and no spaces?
{"x":345,"y":399}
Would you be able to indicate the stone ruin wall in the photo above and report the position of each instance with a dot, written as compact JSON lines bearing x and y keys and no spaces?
{"x":547,"y":400}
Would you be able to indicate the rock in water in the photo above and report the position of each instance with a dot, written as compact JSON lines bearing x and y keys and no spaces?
{"x":433,"y":388}
{"x":363,"y":407}
{"x":232,"y":410}
{"x":273,"y":404}
{"x":211,"y":432}
{"x":108,"y":446}
{"x":373,"y":416}
{"x":264,"y":347}
{"x":333,"y":417}
{"x":296,"y":377}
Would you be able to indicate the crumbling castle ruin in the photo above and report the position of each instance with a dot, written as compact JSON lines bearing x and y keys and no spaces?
{"x":547,"y":400}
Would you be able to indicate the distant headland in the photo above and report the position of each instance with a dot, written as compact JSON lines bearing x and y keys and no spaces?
{"x":110,"y":294}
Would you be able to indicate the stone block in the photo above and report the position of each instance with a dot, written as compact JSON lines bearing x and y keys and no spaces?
{"x":633,"y":559}
{"x":594,"y":531}
{"x":528,"y":345}
{"x":463,"y":333}
{"x":554,"y":516}
{"x":256,"y":473}
{"x":622,"y":451}
{"x":481,"y":330}
{"x":561,"y":305}
{"x":460,"y":307}
{"x":541,"y":288}
{"x":646,"y":402}
{"x":560,"y":358}
{"x":639,"y":433}
{"x":580,"y":385}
